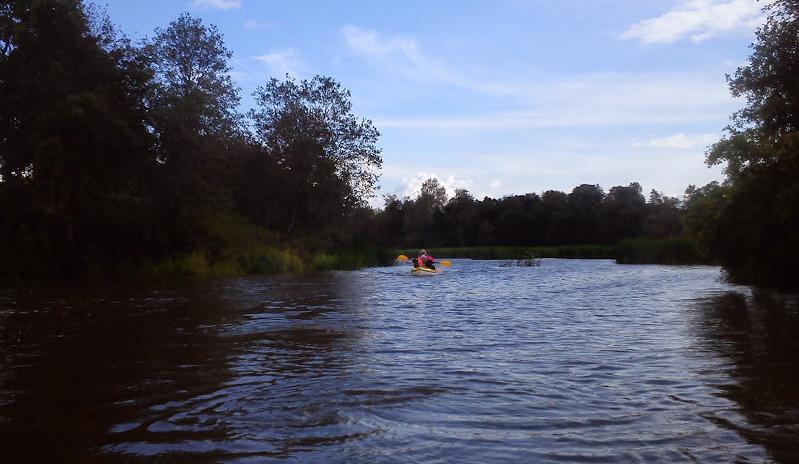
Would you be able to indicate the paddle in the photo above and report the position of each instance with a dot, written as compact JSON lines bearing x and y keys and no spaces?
{"x":402,"y":258}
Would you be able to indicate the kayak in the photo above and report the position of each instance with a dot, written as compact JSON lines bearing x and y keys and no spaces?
{"x":423,"y":271}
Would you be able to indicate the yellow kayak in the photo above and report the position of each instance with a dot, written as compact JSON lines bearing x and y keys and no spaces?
{"x":421,"y":271}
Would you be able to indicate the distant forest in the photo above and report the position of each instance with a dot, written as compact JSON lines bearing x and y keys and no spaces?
{"x":586,"y":215}
{"x":126,"y":156}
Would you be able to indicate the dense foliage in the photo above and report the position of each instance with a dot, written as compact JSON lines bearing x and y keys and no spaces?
{"x":586,"y":215}
{"x":117,"y":154}
{"x":750,"y":222}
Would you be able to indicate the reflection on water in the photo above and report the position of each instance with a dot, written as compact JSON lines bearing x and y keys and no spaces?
{"x":758,"y":337}
{"x":570,"y":361}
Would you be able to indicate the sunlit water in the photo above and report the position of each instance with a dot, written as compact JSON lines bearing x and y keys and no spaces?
{"x":570,"y":361}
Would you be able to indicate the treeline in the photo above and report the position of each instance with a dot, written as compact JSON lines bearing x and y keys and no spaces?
{"x":586,"y":215}
{"x":117,"y":154}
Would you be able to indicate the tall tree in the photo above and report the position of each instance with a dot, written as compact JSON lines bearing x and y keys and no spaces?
{"x":320,"y":109}
{"x":193,"y":109}
{"x":194,"y":90}
{"x":621,"y":214}
{"x":461,"y":219}
{"x":584,"y":201}
{"x":74,"y":151}
{"x":420,"y":214}
{"x":328,"y":156}
{"x":752,"y":221}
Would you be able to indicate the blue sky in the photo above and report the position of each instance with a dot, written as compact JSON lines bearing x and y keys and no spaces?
{"x":502,"y":97}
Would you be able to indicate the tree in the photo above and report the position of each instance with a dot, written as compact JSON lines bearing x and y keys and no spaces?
{"x":199,"y":137}
{"x":390,"y":221}
{"x":556,"y":214}
{"x":755,"y":214}
{"x":663,"y":216}
{"x":460,"y":219}
{"x":319,"y":110}
{"x":423,"y":215}
{"x":433,"y":194}
{"x":584,"y":200}
{"x":194,"y":93}
{"x":770,"y":79}
{"x":621,"y":214}
{"x":328,"y":157}
{"x":74,"y":151}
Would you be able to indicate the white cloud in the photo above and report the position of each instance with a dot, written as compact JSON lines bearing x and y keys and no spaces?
{"x":680,"y":141}
{"x":697,"y":21}
{"x":376,"y":44}
{"x":596,"y":100}
{"x":400,"y":54}
{"x":252,"y":24}
{"x":281,"y":62}
{"x":495,"y":184}
{"x":217,"y":4}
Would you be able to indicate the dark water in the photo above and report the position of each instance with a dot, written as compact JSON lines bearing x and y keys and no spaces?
{"x":571,"y":361}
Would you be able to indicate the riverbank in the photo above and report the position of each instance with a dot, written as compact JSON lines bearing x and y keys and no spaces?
{"x":262,"y":260}
{"x":673,"y":250}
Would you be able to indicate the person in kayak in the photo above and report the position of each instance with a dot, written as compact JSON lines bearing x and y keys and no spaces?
{"x":424,"y":260}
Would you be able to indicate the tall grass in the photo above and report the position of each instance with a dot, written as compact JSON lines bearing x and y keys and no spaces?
{"x":262,"y":259}
{"x":674,"y":250}
{"x":240,"y":248}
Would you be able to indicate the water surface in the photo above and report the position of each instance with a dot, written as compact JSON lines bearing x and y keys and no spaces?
{"x":575,"y":360}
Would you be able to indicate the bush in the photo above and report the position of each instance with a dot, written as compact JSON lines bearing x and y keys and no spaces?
{"x":675,"y":250}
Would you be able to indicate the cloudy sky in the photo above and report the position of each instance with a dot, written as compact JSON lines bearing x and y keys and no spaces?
{"x":505,"y":96}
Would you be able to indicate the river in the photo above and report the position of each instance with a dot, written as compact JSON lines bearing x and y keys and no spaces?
{"x":572,"y":361}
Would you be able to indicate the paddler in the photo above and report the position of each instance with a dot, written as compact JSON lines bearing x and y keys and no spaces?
{"x":424,"y":260}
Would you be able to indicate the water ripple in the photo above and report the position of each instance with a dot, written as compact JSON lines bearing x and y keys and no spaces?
{"x":573,"y":361}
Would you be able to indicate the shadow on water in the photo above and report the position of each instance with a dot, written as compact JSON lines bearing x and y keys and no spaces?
{"x":188,"y":374}
{"x":78,"y":367}
{"x":759,"y":337}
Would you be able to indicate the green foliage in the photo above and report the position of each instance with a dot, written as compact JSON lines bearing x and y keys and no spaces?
{"x":749,"y":223}
{"x":673,"y":250}
{"x":114,"y":156}
{"x":193,"y":92}
{"x":194,"y":264}
{"x":73,"y":142}
{"x":585,"y":216}
{"x":327,"y":158}
{"x":270,"y":260}
{"x":355,"y":258}
{"x":323,"y":262}
{"x":261,"y":259}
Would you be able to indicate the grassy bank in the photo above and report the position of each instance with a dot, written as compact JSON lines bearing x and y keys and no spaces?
{"x":630,"y":251}
{"x":241,"y":248}
{"x":261,"y":260}
{"x":673,"y":250}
